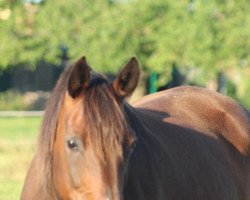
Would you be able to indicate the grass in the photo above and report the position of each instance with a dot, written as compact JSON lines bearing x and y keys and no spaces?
{"x":17,"y":145}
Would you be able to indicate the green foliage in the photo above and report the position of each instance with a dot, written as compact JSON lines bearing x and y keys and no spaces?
{"x":201,"y":37}
{"x":11,"y":100}
{"x":243,"y":92}
{"x":207,"y":34}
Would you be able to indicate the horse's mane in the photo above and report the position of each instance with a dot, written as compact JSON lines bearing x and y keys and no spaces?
{"x":100,"y":109}
{"x":48,"y":131}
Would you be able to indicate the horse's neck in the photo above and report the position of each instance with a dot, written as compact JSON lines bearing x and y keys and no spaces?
{"x":133,"y":119}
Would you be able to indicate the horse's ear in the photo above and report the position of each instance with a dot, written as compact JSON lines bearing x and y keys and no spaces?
{"x":79,"y":77}
{"x":127,"y":80}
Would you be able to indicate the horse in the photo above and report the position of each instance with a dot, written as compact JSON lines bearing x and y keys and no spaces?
{"x":178,"y":144}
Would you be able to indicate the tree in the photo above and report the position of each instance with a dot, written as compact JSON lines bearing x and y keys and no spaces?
{"x":204,"y":37}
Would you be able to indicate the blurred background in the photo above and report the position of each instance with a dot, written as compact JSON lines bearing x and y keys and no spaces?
{"x":186,"y":42}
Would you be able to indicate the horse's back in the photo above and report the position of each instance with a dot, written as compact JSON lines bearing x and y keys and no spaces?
{"x":205,"y":137}
{"x":204,"y":110}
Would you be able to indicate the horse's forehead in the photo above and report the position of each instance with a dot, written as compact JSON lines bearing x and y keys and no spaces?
{"x":69,"y":103}
{"x":73,"y":111}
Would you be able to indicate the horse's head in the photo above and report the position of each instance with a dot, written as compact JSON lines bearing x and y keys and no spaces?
{"x":93,"y":140}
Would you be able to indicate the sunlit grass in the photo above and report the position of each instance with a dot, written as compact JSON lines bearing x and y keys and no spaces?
{"x":17,"y":145}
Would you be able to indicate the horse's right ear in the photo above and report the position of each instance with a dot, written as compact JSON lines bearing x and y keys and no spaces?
{"x":127,"y":80}
{"x":79,"y":77}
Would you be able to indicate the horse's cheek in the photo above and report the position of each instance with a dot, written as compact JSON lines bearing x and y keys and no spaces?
{"x":61,"y":178}
{"x":75,"y":166}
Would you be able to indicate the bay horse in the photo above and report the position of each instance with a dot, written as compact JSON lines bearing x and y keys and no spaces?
{"x":185,"y":143}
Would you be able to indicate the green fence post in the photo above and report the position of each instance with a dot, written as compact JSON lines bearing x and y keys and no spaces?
{"x":153,"y":82}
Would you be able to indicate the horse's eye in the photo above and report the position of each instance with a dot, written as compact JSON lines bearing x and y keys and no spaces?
{"x":72,"y":144}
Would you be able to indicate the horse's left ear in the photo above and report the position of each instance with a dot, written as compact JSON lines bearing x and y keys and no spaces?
{"x":127,"y":80}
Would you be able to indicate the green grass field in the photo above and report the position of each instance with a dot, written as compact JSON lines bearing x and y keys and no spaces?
{"x":17,"y":145}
